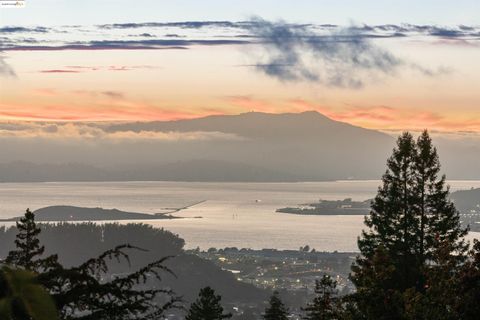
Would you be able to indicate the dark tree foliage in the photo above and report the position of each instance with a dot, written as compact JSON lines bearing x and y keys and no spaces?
{"x":77,"y":242}
{"x":87,"y":291}
{"x":414,"y":236}
{"x":22,"y":298}
{"x":468,"y":293}
{"x":276,"y":309}
{"x":207,"y":307}
{"x":326,"y":304}
{"x":28,"y":246}
{"x":439,"y":220}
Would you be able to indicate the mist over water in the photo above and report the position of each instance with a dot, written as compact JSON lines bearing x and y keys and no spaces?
{"x":233,"y":214}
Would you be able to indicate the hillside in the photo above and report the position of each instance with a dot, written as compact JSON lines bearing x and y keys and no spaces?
{"x":467,"y":201}
{"x":71,"y":213}
{"x":252,"y":146}
{"x":75,"y":243}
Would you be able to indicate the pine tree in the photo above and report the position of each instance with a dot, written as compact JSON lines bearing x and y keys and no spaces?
{"x":28,"y":244}
{"x":441,"y":248}
{"x":374,"y":279}
{"x":325,"y":305}
{"x":87,"y":292}
{"x":439,"y":219}
{"x":88,"y":289}
{"x":207,"y":307}
{"x":468,"y":293}
{"x":392,"y":220}
{"x":411,"y":221}
{"x":22,"y":298}
{"x":276,"y":309}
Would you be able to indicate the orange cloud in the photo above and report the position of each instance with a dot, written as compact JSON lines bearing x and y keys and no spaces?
{"x":47,"y":92}
{"x":123,"y":111}
{"x":247,"y":103}
{"x":388,"y":118}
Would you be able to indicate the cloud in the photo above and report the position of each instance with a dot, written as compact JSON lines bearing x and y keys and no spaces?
{"x":340,"y":59}
{"x":116,"y":95}
{"x":335,"y":56}
{"x":153,"y":44}
{"x":162,"y":42}
{"x":146,"y":35}
{"x":59,"y":71}
{"x":441,"y":70}
{"x":89,"y":47}
{"x":46,"y":92}
{"x":181,"y":24}
{"x":99,"y":110}
{"x":5,"y":69}
{"x":80,"y":69}
{"x":429,"y":30}
{"x":115,"y":36}
{"x":393,"y":119}
{"x":113,"y":94}
{"x":15,"y":29}
{"x":94,"y":132}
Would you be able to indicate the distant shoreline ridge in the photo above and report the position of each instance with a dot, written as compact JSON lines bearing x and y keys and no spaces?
{"x":62,"y":213}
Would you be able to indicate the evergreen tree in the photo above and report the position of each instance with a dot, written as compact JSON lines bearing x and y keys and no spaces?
{"x":439,"y":220}
{"x":392,"y":220}
{"x":276,"y":309}
{"x":27,"y":243}
{"x":325,"y":305}
{"x":21,"y":298}
{"x":412,"y":225}
{"x":468,"y":293}
{"x":374,"y":297}
{"x":88,"y":291}
{"x":207,"y":307}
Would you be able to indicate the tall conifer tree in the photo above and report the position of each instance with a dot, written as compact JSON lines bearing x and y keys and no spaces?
{"x":28,"y":245}
{"x":276,"y":309}
{"x":439,"y":220}
{"x":325,"y":305}
{"x":207,"y":307}
{"x":410,"y":221}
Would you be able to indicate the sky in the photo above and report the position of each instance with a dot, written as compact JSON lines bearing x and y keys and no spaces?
{"x":385,"y":65}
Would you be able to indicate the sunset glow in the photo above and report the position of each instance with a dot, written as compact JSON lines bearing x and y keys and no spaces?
{"x":161,"y":71}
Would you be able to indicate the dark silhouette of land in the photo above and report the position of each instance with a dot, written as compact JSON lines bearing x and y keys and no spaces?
{"x":467,"y":201}
{"x":331,"y":207}
{"x":254,"y":146}
{"x":71,"y":213}
{"x":74,"y":243}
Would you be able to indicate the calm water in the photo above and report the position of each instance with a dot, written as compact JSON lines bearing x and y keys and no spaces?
{"x":234,"y":214}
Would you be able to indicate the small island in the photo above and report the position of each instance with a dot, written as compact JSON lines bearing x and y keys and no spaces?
{"x":331,"y":207}
{"x":71,"y":213}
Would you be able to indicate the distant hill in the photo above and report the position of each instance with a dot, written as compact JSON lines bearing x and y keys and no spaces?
{"x":75,"y":243}
{"x":310,"y":125}
{"x":467,"y":201}
{"x":71,"y":213}
{"x":25,"y":171}
{"x":253,"y":146}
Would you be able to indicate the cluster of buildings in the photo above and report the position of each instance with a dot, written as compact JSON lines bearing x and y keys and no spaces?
{"x":294,"y":271}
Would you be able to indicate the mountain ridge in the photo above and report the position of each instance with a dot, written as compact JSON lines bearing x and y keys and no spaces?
{"x":248,"y":147}
{"x":246,"y":124}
